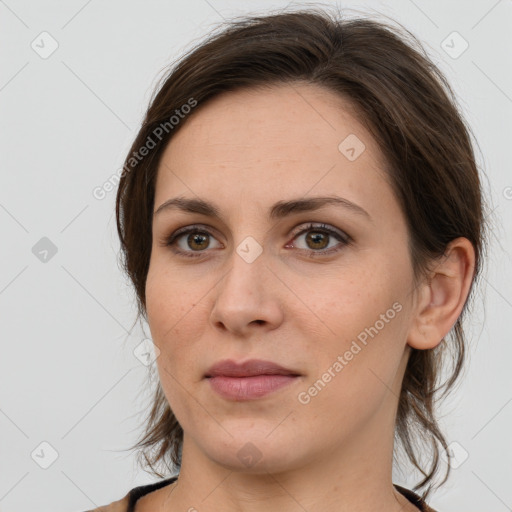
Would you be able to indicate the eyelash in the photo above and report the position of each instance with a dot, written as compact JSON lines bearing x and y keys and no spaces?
{"x":342,"y":237}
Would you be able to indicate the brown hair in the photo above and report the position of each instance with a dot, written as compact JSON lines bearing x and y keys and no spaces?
{"x":410,"y":109}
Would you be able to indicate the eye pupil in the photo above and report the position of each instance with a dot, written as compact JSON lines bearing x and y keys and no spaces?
{"x":316,"y":237}
{"x":196,"y":238}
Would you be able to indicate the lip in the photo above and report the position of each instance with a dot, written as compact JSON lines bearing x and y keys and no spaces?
{"x":249,"y":388}
{"x":249,"y":380}
{"x":250,"y":368}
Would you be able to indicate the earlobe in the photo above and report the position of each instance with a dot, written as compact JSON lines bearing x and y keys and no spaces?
{"x":442,"y":296}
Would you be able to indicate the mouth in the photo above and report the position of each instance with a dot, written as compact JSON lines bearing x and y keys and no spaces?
{"x":249,"y":388}
{"x":250,"y":380}
{"x":250,"y":368}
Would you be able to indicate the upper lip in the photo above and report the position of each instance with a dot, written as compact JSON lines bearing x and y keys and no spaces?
{"x":230,"y":368}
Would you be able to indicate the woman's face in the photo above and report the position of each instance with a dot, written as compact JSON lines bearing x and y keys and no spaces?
{"x":332,"y":302}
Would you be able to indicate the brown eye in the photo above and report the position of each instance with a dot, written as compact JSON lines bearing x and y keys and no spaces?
{"x":198,"y":241}
{"x":192,"y":241}
{"x":317,"y":239}
{"x":321,"y":239}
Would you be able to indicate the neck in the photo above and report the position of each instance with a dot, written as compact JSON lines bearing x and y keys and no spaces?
{"x":355,"y":477}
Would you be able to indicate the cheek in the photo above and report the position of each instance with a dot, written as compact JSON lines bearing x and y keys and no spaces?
{"x":176,"y":320}
{"x":366,"y":319}
{"x":353,"y":300}
{"x":167,"y":301}
{"x":159,"y":306}
{"x":356,"y":372}
{"x":168,"y":309}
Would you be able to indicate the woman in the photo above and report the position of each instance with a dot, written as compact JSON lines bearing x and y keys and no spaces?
{"x":301,"y":217}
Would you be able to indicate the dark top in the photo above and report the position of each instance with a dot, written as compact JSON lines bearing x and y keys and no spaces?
{"x":127,"y":504}
{"x":138,"y":492}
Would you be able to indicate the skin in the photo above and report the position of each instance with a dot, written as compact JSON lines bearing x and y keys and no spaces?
{"x":245,"y":151}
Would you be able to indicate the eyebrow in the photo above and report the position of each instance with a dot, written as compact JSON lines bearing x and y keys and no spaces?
{"x":279,"y":210}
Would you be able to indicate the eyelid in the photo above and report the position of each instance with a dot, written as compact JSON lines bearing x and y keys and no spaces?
{"x":341,"y":236}
{"x":171,"y":240}
{"x":310,"y":226}
{"x":192,"y":227}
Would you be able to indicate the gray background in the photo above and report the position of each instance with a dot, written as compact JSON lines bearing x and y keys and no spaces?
{"x":69,"y":376}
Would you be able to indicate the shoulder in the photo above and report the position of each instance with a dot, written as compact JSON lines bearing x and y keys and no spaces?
{"x":414,"y":499}
{"x":127,"y":504}
{"x":121,"y":505}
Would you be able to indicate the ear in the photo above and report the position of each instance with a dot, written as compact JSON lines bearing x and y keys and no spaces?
{"x":441,"y":297}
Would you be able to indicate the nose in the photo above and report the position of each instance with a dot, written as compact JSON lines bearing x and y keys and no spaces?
{"x":247,"y":298}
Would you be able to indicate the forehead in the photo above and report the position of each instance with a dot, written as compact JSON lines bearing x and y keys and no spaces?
{"x":288,"y":137}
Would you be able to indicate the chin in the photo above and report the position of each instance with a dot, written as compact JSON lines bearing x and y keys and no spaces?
{"x":253,"y":450}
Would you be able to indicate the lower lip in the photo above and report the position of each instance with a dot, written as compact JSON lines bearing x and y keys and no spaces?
{"x":249,"y":388}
